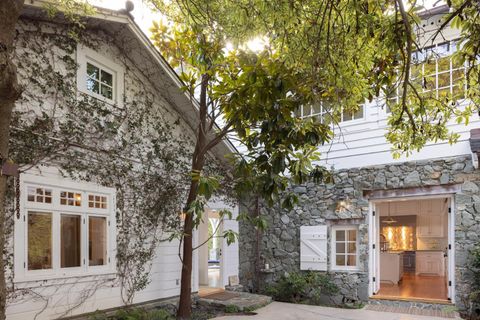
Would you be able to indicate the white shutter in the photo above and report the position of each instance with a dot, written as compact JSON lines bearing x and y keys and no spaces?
{"x":313,"y":248}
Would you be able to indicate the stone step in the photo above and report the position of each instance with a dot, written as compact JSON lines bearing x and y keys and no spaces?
{"x":242,"y":301}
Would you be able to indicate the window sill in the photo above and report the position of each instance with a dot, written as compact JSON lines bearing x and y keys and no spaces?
{"x":53,"y":279}
{"x":346,"y":270}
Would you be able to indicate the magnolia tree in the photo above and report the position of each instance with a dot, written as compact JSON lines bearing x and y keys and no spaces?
{"x":332,"y":55}
{"x":253,"y":96}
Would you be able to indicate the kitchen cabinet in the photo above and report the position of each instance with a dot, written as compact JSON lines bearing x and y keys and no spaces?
{"x":431,"y":219}
{"x":430,"y":263}
{"x":391,"y":267}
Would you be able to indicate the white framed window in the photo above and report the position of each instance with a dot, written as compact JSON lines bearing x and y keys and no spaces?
{"x":99,"y":76}
{"x":324,"y":115}
{"x":73,"y":233}
{"x":437,"y":71}
{"x":344,"y":248}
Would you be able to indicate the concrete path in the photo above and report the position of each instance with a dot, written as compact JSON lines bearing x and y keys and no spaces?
{"x":288,"y":311}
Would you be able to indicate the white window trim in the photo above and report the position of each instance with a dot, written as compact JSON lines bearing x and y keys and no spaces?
{"x":22,"y":274}
{"x":341,"y":122}
{"x":84,"y":55}
{"x":333,"y":251}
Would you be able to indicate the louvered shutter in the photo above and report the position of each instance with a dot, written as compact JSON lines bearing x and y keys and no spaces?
{"x":313,"y":248}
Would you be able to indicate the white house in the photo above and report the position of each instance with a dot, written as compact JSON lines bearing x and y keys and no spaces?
{"x":387,"y":229}
{"x":72,"y":229}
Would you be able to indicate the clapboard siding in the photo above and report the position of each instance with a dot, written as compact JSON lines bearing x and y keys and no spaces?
{"x":60,"y":297}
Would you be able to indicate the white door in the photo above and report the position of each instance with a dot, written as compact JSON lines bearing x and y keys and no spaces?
{"x":374,"y":249}
{"x":230,"y":258}
{"x":451,"y":250}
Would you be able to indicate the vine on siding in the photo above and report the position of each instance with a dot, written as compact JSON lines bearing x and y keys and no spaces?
{"x":139,"y":149}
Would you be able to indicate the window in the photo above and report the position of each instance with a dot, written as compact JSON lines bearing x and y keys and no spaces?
{"x":39,"y":240}
{"x":41,"y":195}
{"x":99,"y":77}
{"x":344,"y":248}
{"x":96,"y":201}
{"x":324,"y":115}
{"x":99,"y":81}
{"x":70,"y":198}
{"x":60,"y":233}
{"x":437,"y":72}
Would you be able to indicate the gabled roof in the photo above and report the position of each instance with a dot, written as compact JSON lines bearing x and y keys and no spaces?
{"x":122,"y":29}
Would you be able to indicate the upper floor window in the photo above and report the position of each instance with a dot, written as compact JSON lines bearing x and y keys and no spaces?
{"x":100,"y":80}
{"x":324,"y":114}
{"x":99,"y":77}
{"x":60,"y":234}
{"x":437,"y":72}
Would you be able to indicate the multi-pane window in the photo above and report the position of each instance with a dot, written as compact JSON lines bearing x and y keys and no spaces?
{"x":70,"y":198}
{"x":64,"y":234}
{"x":324,"y":114}
{"x":42,"y":195}
{"x":100,"y":81}
{"x":97,"y":201}
{"x":345,"y":247}
{"x":436,"y":72}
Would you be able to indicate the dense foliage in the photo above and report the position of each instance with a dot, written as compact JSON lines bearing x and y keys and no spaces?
{"x":306,"y":287}
{"x":353,"y":51}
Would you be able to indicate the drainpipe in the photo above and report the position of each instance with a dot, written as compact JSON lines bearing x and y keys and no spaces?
{"x":257,"y":260}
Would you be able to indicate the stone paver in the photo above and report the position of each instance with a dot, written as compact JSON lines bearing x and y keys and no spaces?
{"x":243,"y":301}
{"x":288,"y":311}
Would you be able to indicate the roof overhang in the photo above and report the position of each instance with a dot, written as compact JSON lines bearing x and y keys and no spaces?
{"x":128,"y":36}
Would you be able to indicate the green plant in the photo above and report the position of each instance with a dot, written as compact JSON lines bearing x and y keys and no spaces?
{"x":306,"y":287}
{"x":231,"y":308}
{"x":134,"y":314}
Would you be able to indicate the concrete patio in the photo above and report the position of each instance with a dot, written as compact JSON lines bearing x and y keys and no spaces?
{"x":287,"y":311}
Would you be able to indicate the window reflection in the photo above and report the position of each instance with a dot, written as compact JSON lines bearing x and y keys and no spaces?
{"x":39,"y":241}
{"x":70,"y":241}
{"x":97,"y":241}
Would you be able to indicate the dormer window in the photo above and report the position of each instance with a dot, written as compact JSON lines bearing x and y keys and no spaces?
{"x":99,"y":77}
{"x":100,"y":81}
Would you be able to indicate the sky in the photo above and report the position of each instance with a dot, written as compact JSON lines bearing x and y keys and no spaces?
{"x":144,"y":16}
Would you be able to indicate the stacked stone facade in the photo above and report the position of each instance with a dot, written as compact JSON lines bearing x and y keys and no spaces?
{"x":279,"y":245}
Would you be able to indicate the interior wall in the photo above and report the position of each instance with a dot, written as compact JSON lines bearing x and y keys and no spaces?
{"x":405,"y":212}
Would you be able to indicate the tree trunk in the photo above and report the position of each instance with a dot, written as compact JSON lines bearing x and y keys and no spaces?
{"x":198,"y":161}
{"x":9,"y":93}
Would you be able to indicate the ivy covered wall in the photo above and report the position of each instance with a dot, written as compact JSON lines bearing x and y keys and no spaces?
{"x":142,"y":149}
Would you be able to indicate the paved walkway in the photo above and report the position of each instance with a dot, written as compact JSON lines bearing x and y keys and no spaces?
{"x":287,"y":311}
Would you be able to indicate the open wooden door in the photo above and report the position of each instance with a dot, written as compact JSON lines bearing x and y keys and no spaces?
{"x":374,"y":250}
{"x":451,"y":250}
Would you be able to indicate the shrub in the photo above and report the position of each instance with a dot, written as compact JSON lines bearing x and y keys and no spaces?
{"x":306,"y":287}
{"x":231,"y":308}
{"x":135,"y":314}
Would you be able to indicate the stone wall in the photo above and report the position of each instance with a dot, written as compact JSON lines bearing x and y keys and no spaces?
{"x":279,"y":244}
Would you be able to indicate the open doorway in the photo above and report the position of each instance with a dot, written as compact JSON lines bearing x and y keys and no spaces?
{"x":210,"y":262}
{"x":412,"y":256}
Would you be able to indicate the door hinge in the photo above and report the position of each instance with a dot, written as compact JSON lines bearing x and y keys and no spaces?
{"x":108,"y":259}
{"x":373,"y":279}
{"x":373,"y":246}
{"x":24,"y":219}
{"x":24,"y":265}
{"x":109,"y":223}
{"x":449,"y":210}
{"x":449,"y":283}
{"x":84,"y":261}
{"x":373,"y":213}
{"x":83,"y":220}
{"x":449,"y":246}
